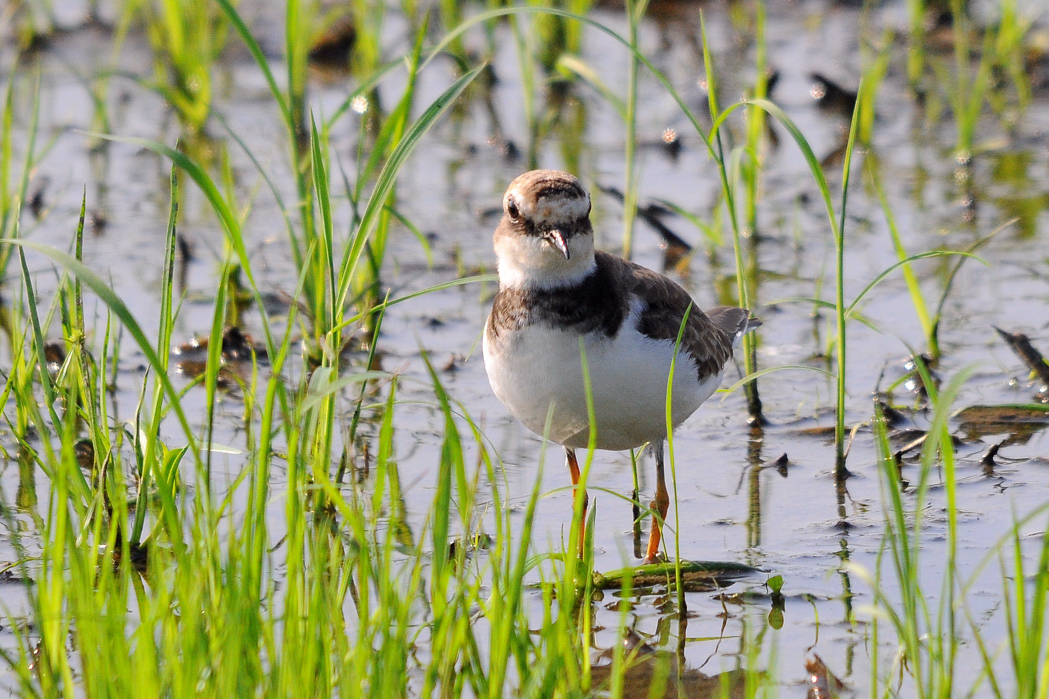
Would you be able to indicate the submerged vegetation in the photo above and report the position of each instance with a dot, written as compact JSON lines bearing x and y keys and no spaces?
{"x":305,"y":500}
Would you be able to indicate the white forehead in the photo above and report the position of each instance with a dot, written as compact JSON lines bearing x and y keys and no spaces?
{"x":552,"y":206}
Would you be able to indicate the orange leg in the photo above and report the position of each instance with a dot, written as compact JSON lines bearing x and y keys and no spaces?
{"x":660,"y":505}
{"x":573,"y":470}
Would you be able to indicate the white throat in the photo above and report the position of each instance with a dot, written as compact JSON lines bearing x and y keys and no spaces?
{"x":531,"y":261}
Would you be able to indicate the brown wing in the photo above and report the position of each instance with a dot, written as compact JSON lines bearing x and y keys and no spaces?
{"x":709,"y":343}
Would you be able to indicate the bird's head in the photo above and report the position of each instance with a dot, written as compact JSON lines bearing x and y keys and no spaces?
{"x":544,"y":238}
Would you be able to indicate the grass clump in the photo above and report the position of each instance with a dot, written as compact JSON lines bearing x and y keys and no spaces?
{"x":187,"y":37}
{"x":139,"y":518}
{"x":359,"y":591}
{"x":931,"y":627}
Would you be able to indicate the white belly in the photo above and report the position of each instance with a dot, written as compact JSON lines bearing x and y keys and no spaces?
{"x":541,"y":367}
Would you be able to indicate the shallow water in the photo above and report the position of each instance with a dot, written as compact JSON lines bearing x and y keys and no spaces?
{"x":734,"y":504}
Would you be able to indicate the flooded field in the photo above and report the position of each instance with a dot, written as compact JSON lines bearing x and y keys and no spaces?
{"x":332,"y":456}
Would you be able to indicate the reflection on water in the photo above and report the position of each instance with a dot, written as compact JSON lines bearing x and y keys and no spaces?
{"x":647,"y":671}
{"x":662,"y":674}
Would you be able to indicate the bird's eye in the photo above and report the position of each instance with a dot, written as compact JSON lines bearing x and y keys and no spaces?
{"x":511,"y":209}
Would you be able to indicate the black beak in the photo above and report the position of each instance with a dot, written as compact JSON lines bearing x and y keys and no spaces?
{"x":557,"y":239}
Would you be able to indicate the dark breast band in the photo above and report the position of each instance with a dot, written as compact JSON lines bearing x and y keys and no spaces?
{"x":601,"y":302}
{"x":597,"y":302}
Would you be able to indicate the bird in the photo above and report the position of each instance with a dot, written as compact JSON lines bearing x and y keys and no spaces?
{"x":561,"y":302}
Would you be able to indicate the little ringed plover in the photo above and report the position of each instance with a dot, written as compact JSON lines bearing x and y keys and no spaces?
{"x":555,"y":290}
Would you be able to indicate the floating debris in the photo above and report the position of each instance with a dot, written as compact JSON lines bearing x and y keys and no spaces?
{"x":820,"y":431}
{"x":238,"y":349}
{"x":55,"y":356}
{"x":914,"y":438}
{"x":822,"y":683}
{"x":138,"y":554}
{"x":914,"y":381}
{"x":332,"y":48}
{"x":988,"y":461}
{"x":84,"y":451}
{"x":1020,"y":420}
{"x":185,"y":249}
{"x":475,"y":543}
{"x":9,"y":577}
{"x":907,"y":439}
{"x":453,"y":363}
{"x":98,"y":221}
{"x":696,"y":576}
{"x":651,"y":214}
{"x":771,"y":82}
{"x":1021,"y":345}
{"x":831,"y":97}
{"x":37,"y":200}
{"x":893,"y":417}
{"x":781,"y":464}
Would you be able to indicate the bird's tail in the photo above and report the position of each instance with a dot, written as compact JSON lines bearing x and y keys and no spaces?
{"x":734,"y":321}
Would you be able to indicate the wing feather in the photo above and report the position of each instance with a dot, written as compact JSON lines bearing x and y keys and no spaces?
{"x":707,"y":339}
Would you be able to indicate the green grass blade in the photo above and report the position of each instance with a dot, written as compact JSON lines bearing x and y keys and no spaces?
{"x":389,"y":173}
{"x":116,"y":305}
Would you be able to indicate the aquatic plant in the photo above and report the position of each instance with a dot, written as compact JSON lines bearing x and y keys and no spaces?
{"x":187,"y":37}
{"x":246,"y":637}
{"x":14,"y":187}
{"x":930,"y":636}
{"x":635,"y":10}
{"x":31,"y":22}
